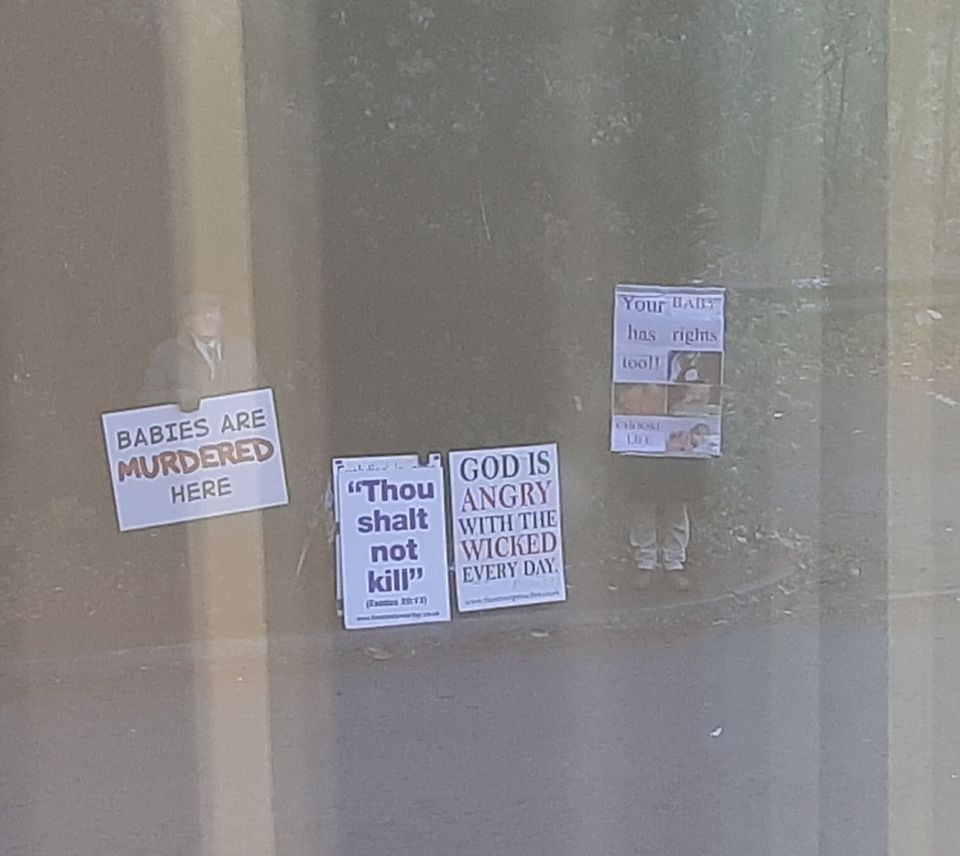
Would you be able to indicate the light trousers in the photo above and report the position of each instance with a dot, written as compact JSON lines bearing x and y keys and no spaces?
{"x":660,"y":527}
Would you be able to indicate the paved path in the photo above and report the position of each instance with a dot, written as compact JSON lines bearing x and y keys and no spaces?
{"x":761,"y":737}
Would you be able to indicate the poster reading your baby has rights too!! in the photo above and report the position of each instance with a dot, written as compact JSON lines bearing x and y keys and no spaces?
{"x":668,"y":345}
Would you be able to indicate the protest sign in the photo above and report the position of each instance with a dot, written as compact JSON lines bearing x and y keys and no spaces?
{"x":394,"y":546}
{"x":508,"y":545}
{"x":167,"y":466}
{"x":668,"y":345}
{"x":370,"y":464}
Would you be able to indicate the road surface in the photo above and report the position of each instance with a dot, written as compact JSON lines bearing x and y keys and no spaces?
{"x":762,"y":736}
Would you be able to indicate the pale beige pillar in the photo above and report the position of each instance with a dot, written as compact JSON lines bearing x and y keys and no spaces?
{"x":211,"y":224}
{"x":910,"y":552}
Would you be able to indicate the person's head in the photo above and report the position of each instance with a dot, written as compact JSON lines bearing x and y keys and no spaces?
{"x":700,"y":435}
{"x":202,"y":315}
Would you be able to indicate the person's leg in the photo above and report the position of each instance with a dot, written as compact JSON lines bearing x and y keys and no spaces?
{"x":643,"y":534}
{"x":675,"y":538}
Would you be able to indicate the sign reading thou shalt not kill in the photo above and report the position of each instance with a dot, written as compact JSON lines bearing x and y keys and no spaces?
{"x":393,"y":540}
{"x":668,"y":351}
{"x":508,"y":544}
{"x":370,"y":465}
{"x":167,"y":466}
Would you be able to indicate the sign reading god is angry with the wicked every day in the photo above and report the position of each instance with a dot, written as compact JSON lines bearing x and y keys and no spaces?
{"x":167,"y":466}
{"x":508,"y":544}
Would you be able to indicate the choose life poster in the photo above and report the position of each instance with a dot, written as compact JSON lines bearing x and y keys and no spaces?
{"x":508,"y":544}
{"x":393,"y":539}
{"x":668,"y":345}
{"x":167,"y":466}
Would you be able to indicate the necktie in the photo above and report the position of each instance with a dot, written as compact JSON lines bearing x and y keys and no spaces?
{"x":212,"y":359}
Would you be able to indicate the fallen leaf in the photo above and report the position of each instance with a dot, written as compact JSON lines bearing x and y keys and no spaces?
{"x":377,"y":653}
{"x":943,"y":399}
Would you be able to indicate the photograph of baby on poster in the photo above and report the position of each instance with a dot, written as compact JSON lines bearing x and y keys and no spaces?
{"x":639,"y":399}
{"x":699,"y":439}
{"x":695,"y":438}
{"x":696,"y":367}
{"x":694,"y":399}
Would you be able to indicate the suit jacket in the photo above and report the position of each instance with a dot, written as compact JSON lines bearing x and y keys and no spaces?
{"x":177,"y":365}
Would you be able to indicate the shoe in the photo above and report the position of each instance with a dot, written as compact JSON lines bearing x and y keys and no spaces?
{"x":644,"y":578}
{"x":679,"y":580}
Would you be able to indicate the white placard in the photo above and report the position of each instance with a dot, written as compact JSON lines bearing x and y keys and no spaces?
{"x":369,"y":464}
{"x":508,"y":542}
{"x":167,"y":466}
{"x":394,"y":547}
{"x":667,"y":370}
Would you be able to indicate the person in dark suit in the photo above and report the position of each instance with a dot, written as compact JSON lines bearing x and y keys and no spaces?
{"x":200,"y":361}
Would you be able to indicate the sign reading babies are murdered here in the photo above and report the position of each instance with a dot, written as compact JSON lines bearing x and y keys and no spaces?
{"x":667,"y":370}
{"x":508,"y":545}
{"x":167,"y":466}
{"x":393,"y":540}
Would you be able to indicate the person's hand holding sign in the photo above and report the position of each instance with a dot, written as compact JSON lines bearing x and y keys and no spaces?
{"x":188,"y":400}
